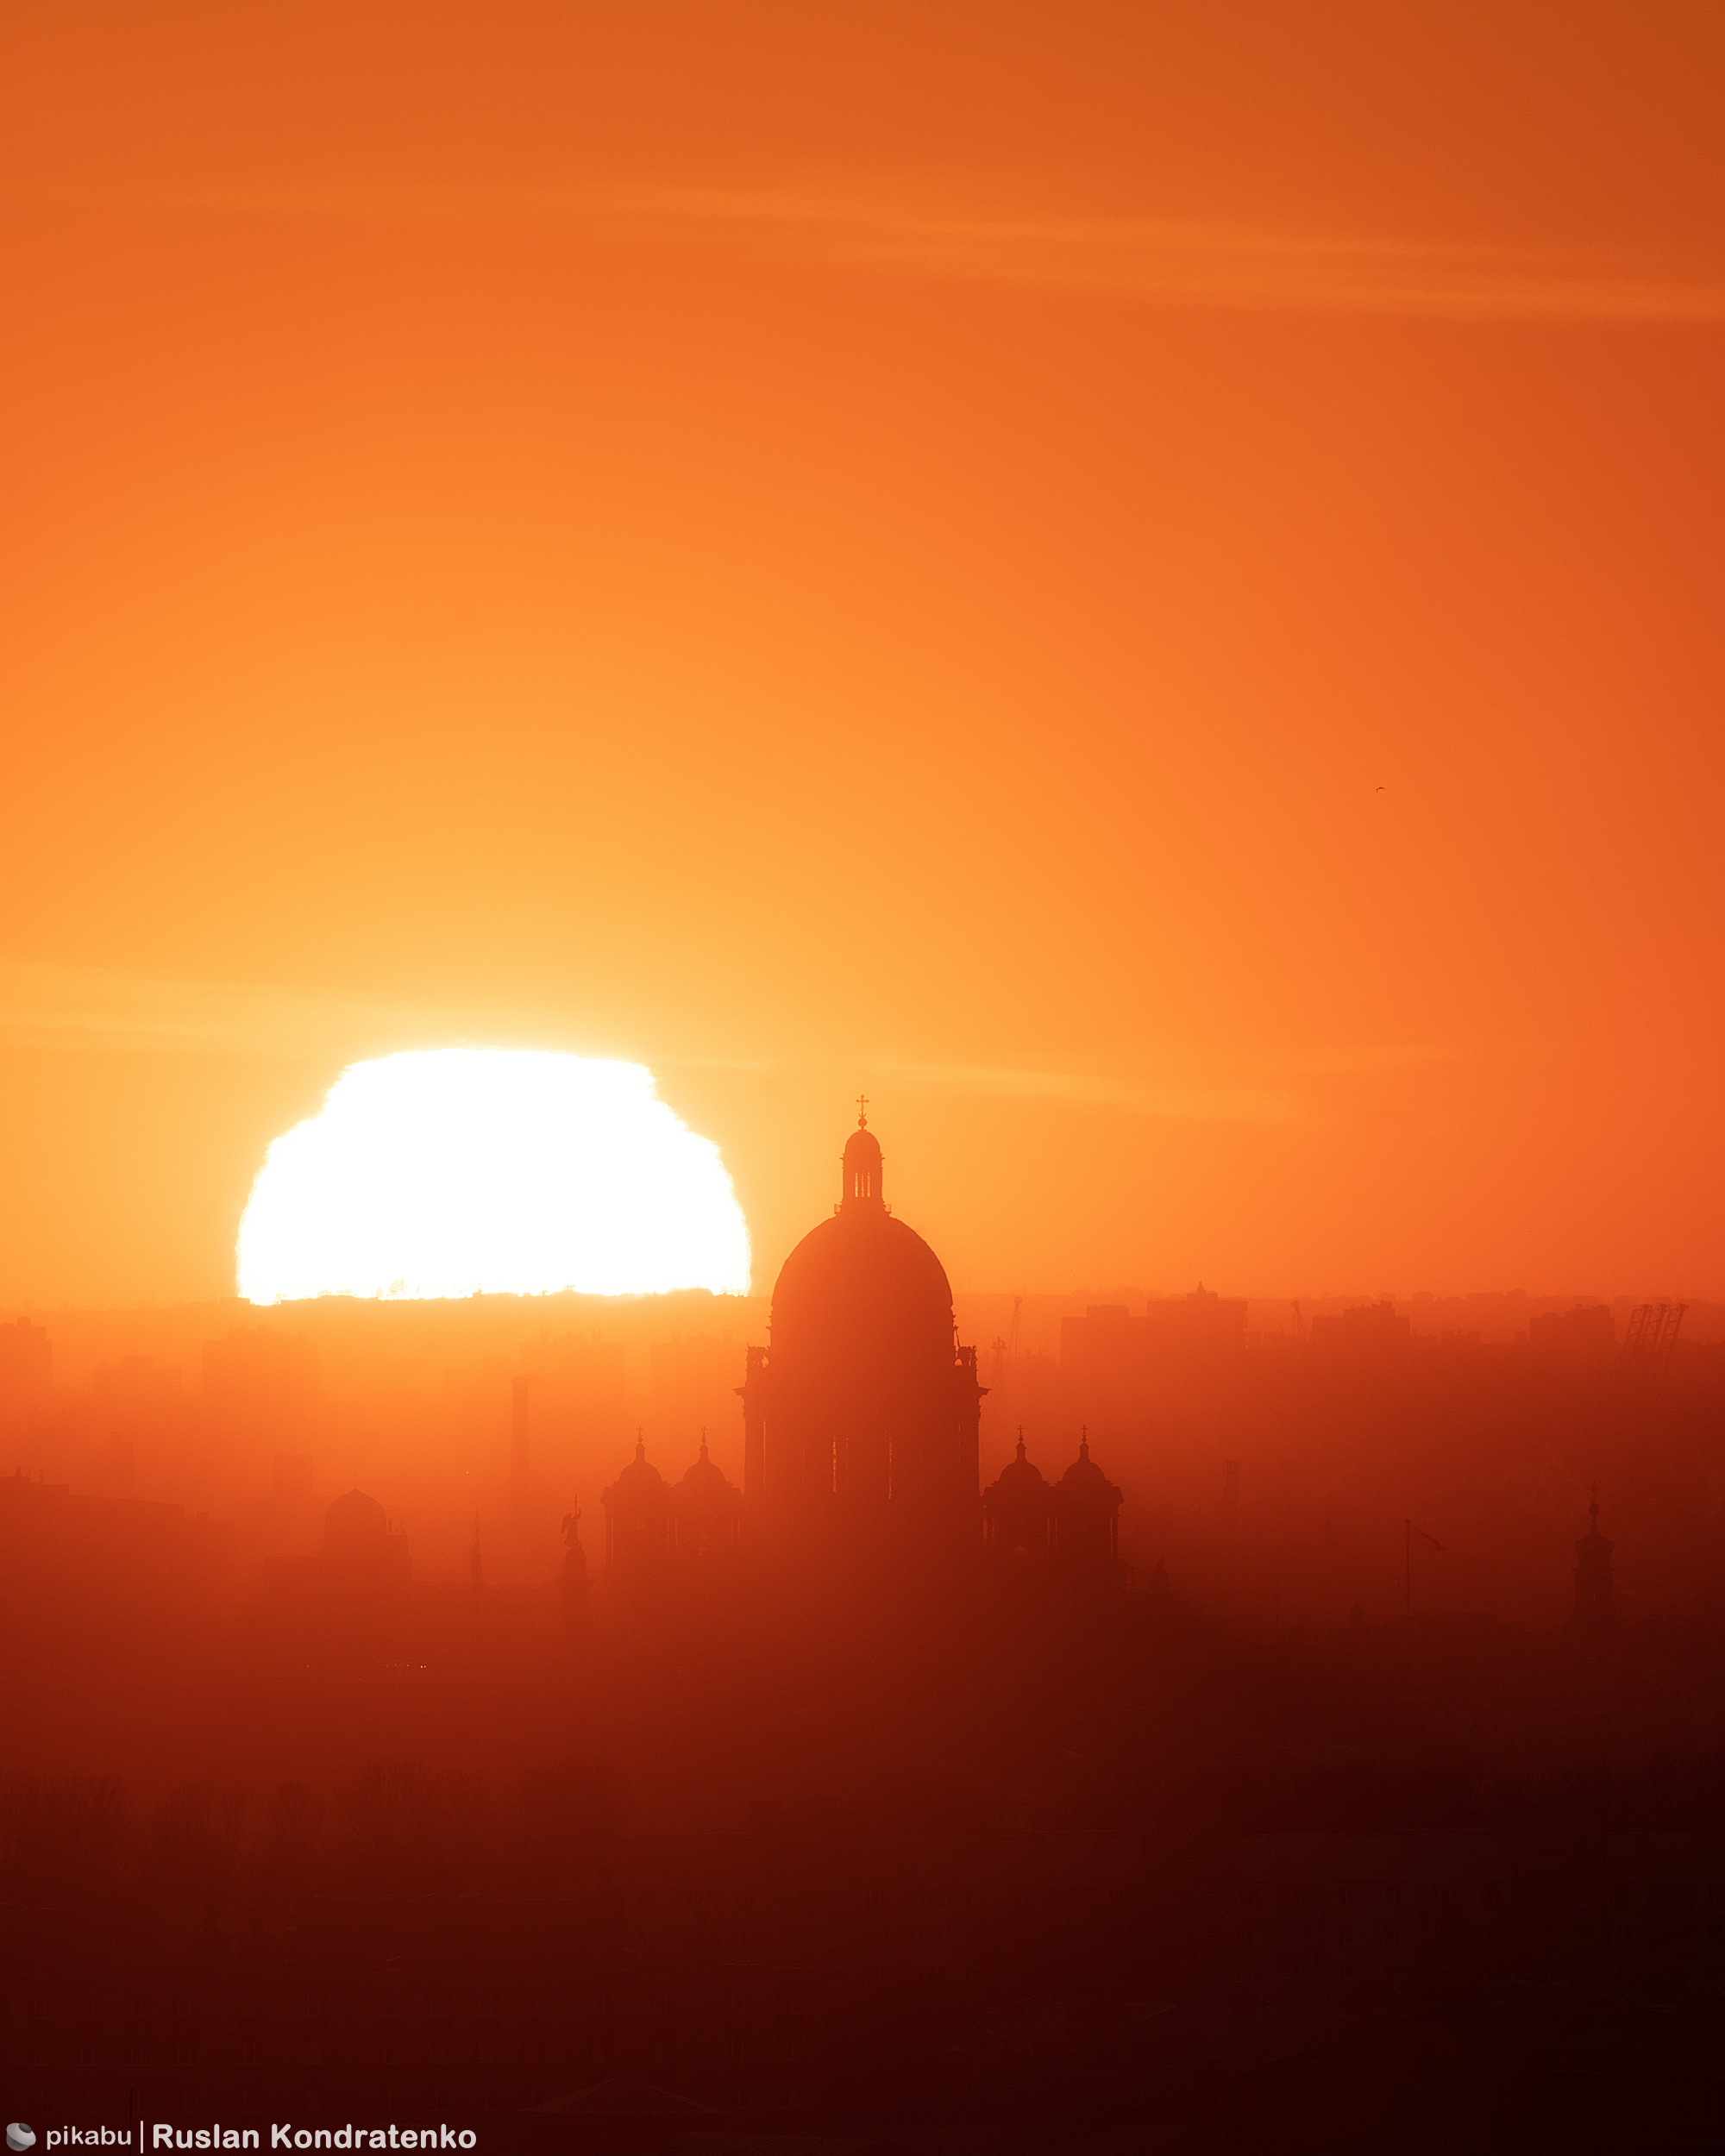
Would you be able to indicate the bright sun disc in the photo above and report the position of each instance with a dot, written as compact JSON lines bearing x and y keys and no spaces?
{"x":453,"y":1171}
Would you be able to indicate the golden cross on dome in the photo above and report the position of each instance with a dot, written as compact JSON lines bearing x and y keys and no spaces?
{"x":862,"y":1111}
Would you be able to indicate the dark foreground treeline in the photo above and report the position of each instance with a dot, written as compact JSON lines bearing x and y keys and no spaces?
{"x":863,"y":1855}
{"x":1225,"y":1957}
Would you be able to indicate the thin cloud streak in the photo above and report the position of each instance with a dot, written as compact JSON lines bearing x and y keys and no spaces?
{"x":1175,"y":1104}
{"x":1195,"y":264}
{"x":74,"y":1008}
{"x":1188,"y":263}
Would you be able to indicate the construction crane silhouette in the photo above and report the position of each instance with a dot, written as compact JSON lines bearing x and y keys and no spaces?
{"x":1649,"y":1343}
{"x":1005,"y":1351}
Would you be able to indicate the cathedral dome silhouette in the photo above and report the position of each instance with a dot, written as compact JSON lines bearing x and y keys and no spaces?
{"x":861,"y":1280}
{"x":863,"y":1401}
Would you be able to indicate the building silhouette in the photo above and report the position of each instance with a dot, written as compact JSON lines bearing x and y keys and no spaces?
{"x":1069,"y":1529}
{"x":1108,"y":1347}
{"x":1018,"y":1515}
{"x":861,"y":1416}
{"x":638,"y":1526}
{"x":1584,"y":1337}
{"x":26,"y":1366}
{"x":1368,"y":1335}
{"x":706,"y":1518}
{"x":861,"y":1426}
{"x":1086,"y":1523}
{"x":664,"y":1541}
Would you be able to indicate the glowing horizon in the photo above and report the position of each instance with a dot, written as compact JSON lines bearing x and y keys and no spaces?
{"x":449,"y":1172}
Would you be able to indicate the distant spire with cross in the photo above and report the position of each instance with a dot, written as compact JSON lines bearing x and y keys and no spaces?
{"x":862,"y":1111}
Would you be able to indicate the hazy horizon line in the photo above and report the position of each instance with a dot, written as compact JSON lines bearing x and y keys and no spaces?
{"x":1307,"y":1298}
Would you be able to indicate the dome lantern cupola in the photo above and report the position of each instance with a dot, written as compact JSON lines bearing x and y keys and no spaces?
{"x":861,"y":1187}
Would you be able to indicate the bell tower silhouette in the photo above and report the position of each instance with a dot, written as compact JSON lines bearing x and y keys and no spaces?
{"x":862,"y":1186}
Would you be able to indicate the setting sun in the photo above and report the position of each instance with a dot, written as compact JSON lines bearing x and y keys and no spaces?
{"x":449,"y":1171}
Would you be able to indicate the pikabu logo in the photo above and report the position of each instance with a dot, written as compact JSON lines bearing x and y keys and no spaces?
{"x":19,"y":2137}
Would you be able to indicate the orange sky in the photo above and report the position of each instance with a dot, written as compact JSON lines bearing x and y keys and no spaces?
{"x":1142,"y":582}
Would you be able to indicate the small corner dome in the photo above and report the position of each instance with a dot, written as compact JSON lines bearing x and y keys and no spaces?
{"x":1020,"y":1475}
{"x":640,"y":1483}
{"x":1084,"y":1482}
{"x":705,"y":1473}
